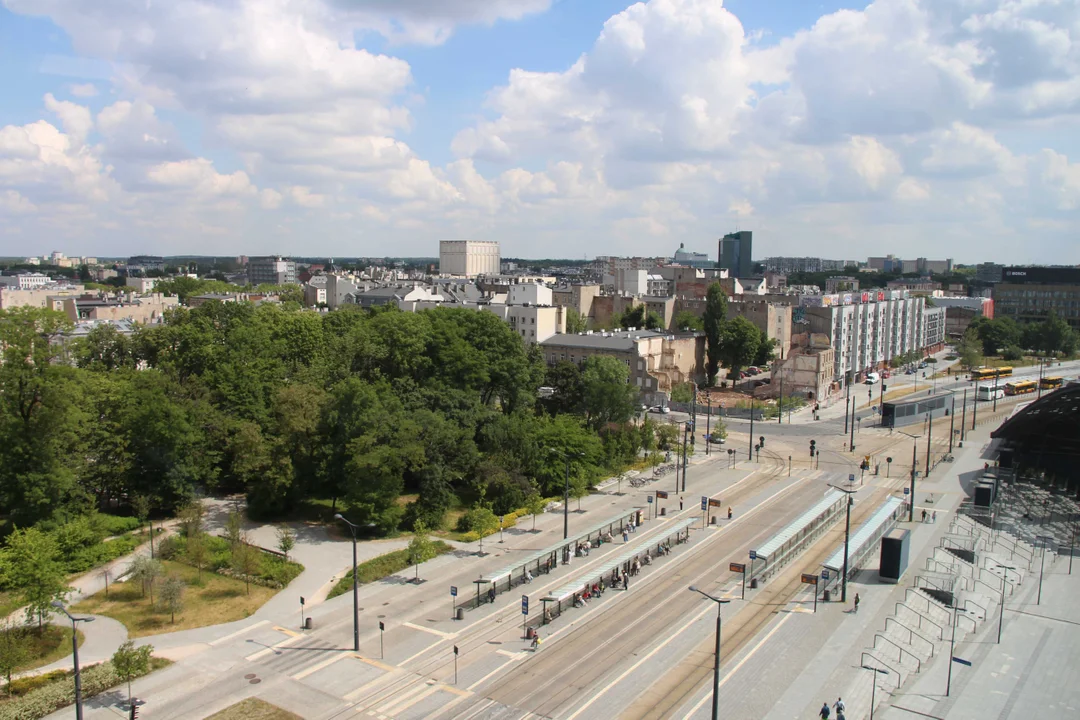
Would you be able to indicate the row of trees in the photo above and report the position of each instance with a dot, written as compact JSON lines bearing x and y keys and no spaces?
{"x":1004,"y":336}
{"x":356,"y":406}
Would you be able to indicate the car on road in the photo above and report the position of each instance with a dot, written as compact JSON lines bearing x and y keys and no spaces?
{"x":662,"y":409}
{"x":872,"y":378}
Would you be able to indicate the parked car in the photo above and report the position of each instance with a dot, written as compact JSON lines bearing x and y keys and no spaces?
{"x":743,"y":375}
{"x":662,"y":409}
{"x":753,"y":370}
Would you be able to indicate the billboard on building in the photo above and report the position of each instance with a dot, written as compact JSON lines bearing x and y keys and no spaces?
{"x":880,"y":295}
{"x":865,"y":297}
{"x":830,"y":300}
{"x":847,"y":298}
{"x":812,"y":300}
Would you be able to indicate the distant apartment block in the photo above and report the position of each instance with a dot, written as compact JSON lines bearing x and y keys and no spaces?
{"x":736,"y":251}
{"x":26,"y":281}
{"x":893,"y":264}
{"x":50,"y":296}
{"x":271,"y":270}
{"x":788,"y":265}
{"x":141,"y":284}
{"x":146,"y":310}
{"x":989,"y":272}
{"x":140,"y":265}
{"x":469,"y":258}
{"x":610,"y":264}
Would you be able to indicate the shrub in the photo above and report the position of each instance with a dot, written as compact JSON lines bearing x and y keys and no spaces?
{"x":480,"y":520}
{"x":114,"y":525}
{"x":60,"y":693}
{"x":21,"y":686}
{"x":170,"y":548}
{"x":1012,"y":354}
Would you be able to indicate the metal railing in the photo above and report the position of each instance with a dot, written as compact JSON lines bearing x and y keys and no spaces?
{"x":969,"y":601}
{"x":900,"y":655}
{"x":974,"y":625}
{"x":930,"y":604}
{"x":911,"y":633}
{"x":884,"y":666}
{"x":940,"y":629}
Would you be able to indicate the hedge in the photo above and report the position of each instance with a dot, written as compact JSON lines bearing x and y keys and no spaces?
{"x":61,"y":692}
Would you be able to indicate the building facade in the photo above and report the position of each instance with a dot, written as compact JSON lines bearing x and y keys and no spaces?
{"x":1028,"y":294}
{"x":271,"y":270}
{"x":736,"y":253}
{"x":469,"y":257}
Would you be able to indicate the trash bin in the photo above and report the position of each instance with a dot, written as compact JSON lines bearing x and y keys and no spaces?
{"x":460,"y":613}
{"x":307,"y":623}
{"x":663,"y":511}
{"x":753,"y":583}
{"x":826,"y":596}
{"x":713,"y":520}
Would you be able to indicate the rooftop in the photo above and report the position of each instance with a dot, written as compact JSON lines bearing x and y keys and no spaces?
{"x":618,"y":340}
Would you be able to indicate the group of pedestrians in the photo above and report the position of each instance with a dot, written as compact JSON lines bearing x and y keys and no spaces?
{"x":932,"y":516}
{"x":838,"y":706}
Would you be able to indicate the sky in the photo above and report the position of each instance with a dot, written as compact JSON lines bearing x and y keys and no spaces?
{"x":560,"y":128}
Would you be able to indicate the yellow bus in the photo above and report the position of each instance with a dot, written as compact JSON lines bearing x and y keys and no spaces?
{"x":991,"y":373}
{"x":1050,"y":383}
{"x":1021,"y":388}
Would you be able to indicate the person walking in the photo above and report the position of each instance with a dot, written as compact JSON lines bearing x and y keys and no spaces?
{"x":626,"y":581}
{"x":680,"y":503}
{"x":536,"y":642}
{"x":729,"y":513}
{"x":839,"y":707}
{"x":824,"y":713}
{"x":924,"y":515}
{"x":856,"y":603}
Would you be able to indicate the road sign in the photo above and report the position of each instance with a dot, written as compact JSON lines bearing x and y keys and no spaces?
{"x":962,"y":661}
{"x":753,"y":554}
{"x":524,"y":604}
{"x":714,"y":502}
{"x":737,"y":567}
{"x":907,"y":491}
{"x":661,"y":494}
{"x":824,"y":574}
{"x":851,"y":478}
{"x":704,"y":502}
{"x":650,"y":499}
{"x":453,"y":591}
{"x":809,"y":578}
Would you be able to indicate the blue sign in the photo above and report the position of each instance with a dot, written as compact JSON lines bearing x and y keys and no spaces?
{"x":962,"y":661}
{"x":851,"y":477}
{"x":907,"y":491}
{"x":453,"y":591}
{"x":753,"y":554}
{"x":650,"y":499}
{"x":524,"y":604}
{"x":704,"y":503}
{"x":824,"y":574}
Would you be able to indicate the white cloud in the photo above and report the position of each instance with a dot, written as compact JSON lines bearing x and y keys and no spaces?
{"x":198,"y":176}
{"x":83,"y":90}
{"x":11,"y":201}
{"x":269,"y":199}
{"x":76,"y":119}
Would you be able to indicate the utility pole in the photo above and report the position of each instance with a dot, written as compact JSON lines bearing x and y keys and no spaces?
{"x":914,"y":459}
{"x":952,"y":423}
{"x":750,"y":445}
{"x":975,"y":405}
{"x":963,"y":421}
{"x":780,"y":404}
{"x":929,"y":443}
{"x":848,"y":502}
{"x":708,"y":425}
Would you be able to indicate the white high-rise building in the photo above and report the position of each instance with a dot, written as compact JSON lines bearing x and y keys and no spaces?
{"x":469,"y":257}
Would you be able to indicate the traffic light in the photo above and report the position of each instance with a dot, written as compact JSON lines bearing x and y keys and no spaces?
{"x":381,"y":626}
{"x":884,"y":388}
{"x":133,"y":713}
{"x":813,"y":445}
{"x":761,"y":441}
{"x":455,"y":650}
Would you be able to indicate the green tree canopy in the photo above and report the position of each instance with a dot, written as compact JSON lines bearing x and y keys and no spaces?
{"x":740,"y":344}
{"x":608,"y":395}
{"x":713,"y":323}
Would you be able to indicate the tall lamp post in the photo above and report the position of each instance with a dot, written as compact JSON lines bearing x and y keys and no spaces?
{"x":873,"y":690}
{"x":716,"y":655}
{"x":914,"y":460}
{"x":566,"y":490}
{"x":750,"y":445}
{"x":847,"y":538}
{"x":1001,"y":609}
{"x":75,"y":654}
{"x":355,"y":586}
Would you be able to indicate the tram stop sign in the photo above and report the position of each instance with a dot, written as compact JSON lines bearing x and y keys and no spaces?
{"x":851,"y":478}
{"x":704,"y":503}
{"x":524,"y":604}
{"x":453,"y":591}
{"x":650,"y":499}
{"x":907,"y":491}
{"x":753,"y":554}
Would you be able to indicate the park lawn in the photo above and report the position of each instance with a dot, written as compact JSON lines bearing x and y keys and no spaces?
{"x":51,"y":644}
{"x":218,"y":600}
{"x":382,"y":566}
{"x":254,"y":709}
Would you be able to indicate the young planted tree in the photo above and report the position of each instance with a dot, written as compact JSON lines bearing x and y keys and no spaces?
{"x":421,"y":549}
{"x":145,"y":571}
{"x":197,"y":552}
{"x":234,"y":527}
{"x":171,"y":596}
{"x":130,"y":662}
{"x":13,"y":649}
{"x":246,"y":560}
{"x":969,"y":349}
{"x":35,"y":571}
{"x":191,"y":519}
{"x":536,"y":505}
{"x":286,"y":540}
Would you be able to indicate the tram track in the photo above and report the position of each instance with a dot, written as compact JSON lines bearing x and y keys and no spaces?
{"x":679,"y":685}
{"x":486,"y":632}
{"x":563,"y":673}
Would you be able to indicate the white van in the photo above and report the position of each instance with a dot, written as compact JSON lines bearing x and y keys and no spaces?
{"x":872,"y":379}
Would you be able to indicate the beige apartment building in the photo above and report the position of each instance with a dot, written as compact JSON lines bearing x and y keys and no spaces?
{"x":807,"y":371}
{"x":656,"y":360}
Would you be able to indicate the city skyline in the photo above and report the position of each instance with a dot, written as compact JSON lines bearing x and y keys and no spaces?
{"x":943,"y":129}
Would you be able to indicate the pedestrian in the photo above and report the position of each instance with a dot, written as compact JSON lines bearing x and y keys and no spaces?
{"x":839,"y":707}
{"x":536,"y":642}
{"x":924,"y":515}
{"x":729,"y":513}
{"x":626,"y":536}
{"x":933,"y":517}
{"x":491,"y":594}
{"x":626,"y":581}
{"x":824,"y":714}
{"x":856,"y":603}
{"x":680,"y":503}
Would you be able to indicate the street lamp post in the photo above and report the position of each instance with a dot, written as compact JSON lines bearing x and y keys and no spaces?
{"x":75,"y":654}
{"x":708,"y":425}
{"x":686,"y":431}
{"x":1001,"y":610}
{"x":952,"y":423}
{"x":566,"y":490}
{"x":847,"y":538}
{"x":750,"y":445}
{"x":716,"y":655}
{"x":873,"y":689}
{"x":929,"y":443}
{"x":914,"y":460}
{"x":355,"y":586}
{"x":975,"y":405}
{"x":780,"y":403}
